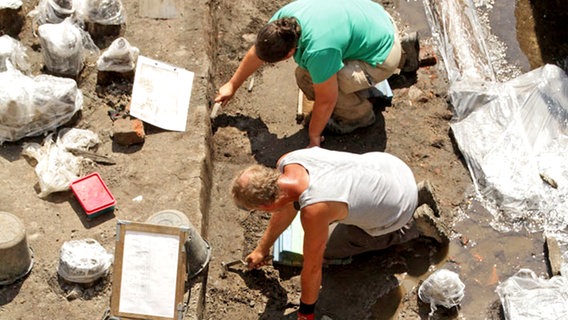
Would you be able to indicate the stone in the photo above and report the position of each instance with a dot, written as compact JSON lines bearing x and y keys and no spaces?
{"x":554,"y":254}
{"x":430,"y":226}
{"x":426,"y":195}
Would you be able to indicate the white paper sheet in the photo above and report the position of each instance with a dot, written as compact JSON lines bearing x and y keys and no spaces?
{"x":161,"y":94}
{"x":149,"y":274}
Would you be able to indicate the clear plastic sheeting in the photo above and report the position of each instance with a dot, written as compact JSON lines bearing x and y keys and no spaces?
{"x":514,"y":134}
{"x":65,"y":46}
{"x":525,"y":296}
{"x":514,"y":141}
{"x":33,"y":106}
{"x":52,"y":11}
{"x":56,"y":168}
{"x":460,"y":39}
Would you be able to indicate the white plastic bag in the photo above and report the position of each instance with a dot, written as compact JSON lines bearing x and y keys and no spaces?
{"x":56,"y":167}
{"x":77,"y":139}
{"x":525,"y":296}
{"x":119,"y":57}
{"x":83,"y":261}
{"x":62,"y":45}
{"x":442,"y":288}
{"x":32,"y":106}
{"x":12,"y":50}
{"x":105,"y":12}
{"x":52,"y":11}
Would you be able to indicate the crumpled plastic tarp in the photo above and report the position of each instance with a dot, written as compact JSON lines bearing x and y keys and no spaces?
{"x":30,"y":106}
{"x":513,"y":134}
{"x":514,"y":138}
{"x":460,"y":40}
{"x":525,"y":296}
{"x":56,"y":166}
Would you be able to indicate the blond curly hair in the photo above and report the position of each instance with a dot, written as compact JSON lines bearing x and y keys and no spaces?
{"x":255,"y":186}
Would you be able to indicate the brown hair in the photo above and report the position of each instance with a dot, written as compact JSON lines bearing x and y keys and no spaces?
{"x":275,"y":40}
{"x":255,"y":186}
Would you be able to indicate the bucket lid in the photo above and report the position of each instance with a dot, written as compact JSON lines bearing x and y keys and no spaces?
{"x":16,"y":259}
{"x":198,"y":250}
{"x":13,"y":230}
{"x":169,"y":217}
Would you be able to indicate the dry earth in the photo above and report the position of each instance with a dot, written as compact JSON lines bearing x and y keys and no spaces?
{"x":259,"y":126}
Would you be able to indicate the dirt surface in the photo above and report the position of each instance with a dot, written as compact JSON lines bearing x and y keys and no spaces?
{"x":255,"y":127}
{"x":165,"y":172}
{"x":259,"y":126}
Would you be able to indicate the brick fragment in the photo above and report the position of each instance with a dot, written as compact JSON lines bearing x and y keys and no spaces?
{"x":127,"y":131}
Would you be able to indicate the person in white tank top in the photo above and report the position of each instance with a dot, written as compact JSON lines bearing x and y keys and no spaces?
{"x":349,"y":204}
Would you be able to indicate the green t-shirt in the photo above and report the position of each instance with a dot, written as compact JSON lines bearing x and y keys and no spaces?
{"x":337,"y":30}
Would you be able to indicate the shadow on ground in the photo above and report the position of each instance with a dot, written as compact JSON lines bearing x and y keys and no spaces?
{"x":267,"y":148}
{"x":376,"y":293}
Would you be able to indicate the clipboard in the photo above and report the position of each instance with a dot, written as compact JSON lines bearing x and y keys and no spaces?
{"x":149,"y":272}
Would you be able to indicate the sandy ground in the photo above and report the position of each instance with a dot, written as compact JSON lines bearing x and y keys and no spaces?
{"x":258,"y":126}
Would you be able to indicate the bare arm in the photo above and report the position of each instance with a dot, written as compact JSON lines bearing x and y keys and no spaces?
{"x":251,"y":62}
{"x":315,"y":221}
{"x":325,"y":100}
{"x":279,"y":221}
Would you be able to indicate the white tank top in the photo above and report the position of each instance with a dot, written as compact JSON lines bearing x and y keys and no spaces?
{"x":379,"y":189}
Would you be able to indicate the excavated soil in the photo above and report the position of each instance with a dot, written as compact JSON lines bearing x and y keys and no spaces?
{"x":257,"y":126}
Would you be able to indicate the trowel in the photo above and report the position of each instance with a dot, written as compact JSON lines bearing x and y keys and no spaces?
{"x":239,"y":262}
{"x":215,"y":110}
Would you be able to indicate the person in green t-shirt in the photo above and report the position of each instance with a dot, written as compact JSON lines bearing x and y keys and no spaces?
{"x":342,"y":49}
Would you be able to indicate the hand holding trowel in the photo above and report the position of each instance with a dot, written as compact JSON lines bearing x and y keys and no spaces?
{"x":226,"y":92}
{"x":240,"y":263}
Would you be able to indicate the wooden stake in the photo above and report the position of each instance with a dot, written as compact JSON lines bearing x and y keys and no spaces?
{"x":300,"y":112}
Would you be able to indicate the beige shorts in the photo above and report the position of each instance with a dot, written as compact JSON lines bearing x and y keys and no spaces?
{"x":358,"y":75}
{"x":355,"y":76}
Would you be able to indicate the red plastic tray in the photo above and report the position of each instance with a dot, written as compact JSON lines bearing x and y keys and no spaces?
{"x":93,"y":194}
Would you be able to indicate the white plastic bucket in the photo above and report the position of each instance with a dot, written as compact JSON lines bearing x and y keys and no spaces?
{"x":16,"y":261}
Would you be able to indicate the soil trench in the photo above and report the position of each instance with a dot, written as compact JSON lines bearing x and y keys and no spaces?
{"x":191,"y":172}
{"x":258,"y":126}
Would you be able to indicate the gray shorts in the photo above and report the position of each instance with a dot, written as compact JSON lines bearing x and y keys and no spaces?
{"x":347,"y":240}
